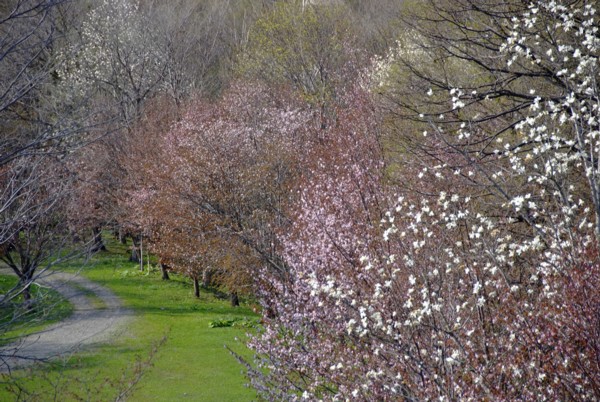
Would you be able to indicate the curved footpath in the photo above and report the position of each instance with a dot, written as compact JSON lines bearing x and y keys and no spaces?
{"x":94,"y":320}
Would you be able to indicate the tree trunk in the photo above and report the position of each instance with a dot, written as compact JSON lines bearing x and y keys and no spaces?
{"x":120,"y":236}
{"x":142,"y":253}
{"x":26,"y":292}
{"x":235,"y":300}
{"x":196,"y":287}
{"x":135,"y":257}
{"x":206,"y":277}
{"x":98,"y":242}
{"x":165,"y":271}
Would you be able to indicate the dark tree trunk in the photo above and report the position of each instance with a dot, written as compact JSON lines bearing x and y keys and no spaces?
{"x":207,"y":277}
{"x":196,"y":287}
{"x":135,"y":255}
{"x":120,"y":236}
{"x":165,"y":271}
{"x":235,"y":300}
{"x":26,"y":292}
{"x":98,"y":242}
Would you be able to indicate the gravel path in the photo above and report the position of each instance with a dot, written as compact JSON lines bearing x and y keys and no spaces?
{"x":94,"y":320}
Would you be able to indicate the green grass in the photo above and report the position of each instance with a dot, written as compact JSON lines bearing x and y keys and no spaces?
{"x":192,"y":363}
{"x":16,"y":321}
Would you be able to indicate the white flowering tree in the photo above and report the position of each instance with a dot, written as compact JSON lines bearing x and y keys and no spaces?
{"x":480,"y":282}
{"x":495,"y":83}
{"x":119,"y":57}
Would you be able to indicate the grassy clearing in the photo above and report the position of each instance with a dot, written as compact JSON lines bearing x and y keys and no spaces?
{"x":192,"y":364}
{"x":48,"y":307}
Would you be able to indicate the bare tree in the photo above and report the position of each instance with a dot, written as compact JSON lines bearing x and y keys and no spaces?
{"x":36,"y":118}
{"x":41,"y":231}
{"x":41,"y":124}
{"x":30,"y":31}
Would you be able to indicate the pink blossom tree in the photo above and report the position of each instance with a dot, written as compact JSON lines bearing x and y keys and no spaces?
{"x":214,"y":193}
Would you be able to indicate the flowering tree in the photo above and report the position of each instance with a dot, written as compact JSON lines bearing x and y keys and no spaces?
{"x":479,"y":280}
{"x":118,"y":63}
{"x":533,"y":107}
{"x":334,"y":224}
{"x":211,"y":195}
{"x":119,"y":57}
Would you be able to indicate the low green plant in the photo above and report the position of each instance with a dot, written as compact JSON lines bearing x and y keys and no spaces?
{"x":243,"y":322}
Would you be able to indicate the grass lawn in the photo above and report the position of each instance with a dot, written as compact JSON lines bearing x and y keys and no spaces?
{"x":192,"y":363}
